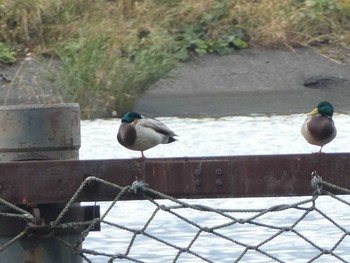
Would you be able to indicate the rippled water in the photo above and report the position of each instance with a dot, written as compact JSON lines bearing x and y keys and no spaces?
{"x":217,"y":137}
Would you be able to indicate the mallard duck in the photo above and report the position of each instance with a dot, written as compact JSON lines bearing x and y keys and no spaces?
{"x":139,"y":133}
{"x":318,"y":128}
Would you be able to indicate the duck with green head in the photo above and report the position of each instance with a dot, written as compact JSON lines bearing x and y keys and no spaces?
{"x":140,"y":133}
{"x":318,"y":128}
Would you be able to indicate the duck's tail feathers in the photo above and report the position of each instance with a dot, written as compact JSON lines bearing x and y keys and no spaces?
{"x":171,"y":139}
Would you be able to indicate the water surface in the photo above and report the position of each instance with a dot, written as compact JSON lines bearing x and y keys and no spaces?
{"x":248,"y":135}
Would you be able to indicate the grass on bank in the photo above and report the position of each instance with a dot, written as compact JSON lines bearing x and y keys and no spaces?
{"x":113,"y":50}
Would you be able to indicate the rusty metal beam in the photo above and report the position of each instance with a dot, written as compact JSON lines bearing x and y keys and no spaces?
{"x":233,"y":176}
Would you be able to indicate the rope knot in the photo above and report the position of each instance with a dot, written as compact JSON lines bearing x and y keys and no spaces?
{"x":316,"y":182}
{"x":138,"y":186}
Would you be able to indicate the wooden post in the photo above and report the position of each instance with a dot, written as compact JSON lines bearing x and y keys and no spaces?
{"x":38,"y":132}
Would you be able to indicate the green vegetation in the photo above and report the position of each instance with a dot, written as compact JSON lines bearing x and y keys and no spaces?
{"x":7,"y":55}
{"x":113,"y":50}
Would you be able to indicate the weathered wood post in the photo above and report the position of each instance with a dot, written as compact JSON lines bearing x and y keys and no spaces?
{"x":39,"y":132}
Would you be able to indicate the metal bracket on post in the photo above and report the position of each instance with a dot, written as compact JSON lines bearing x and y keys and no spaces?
{"x":38,"y":226}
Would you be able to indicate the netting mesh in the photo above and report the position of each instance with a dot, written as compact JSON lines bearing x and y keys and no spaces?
{"x":164,"y":229}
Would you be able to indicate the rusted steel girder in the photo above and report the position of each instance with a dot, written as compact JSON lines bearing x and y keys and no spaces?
{"x":43,"y":182}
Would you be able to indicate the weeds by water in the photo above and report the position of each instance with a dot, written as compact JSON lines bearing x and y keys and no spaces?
{"x":7,"y":55}
{"x":113,"y":50}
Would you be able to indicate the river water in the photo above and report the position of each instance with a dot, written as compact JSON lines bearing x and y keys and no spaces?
{"x":239,"y":135}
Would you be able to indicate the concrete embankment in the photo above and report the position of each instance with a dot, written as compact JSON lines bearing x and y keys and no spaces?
{"x":251,"y":81}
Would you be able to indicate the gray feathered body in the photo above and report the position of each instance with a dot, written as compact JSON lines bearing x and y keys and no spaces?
{"x":143,"y":134}
{"x":318,"y":129}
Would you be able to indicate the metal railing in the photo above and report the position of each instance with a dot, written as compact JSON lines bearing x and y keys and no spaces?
{"x":224,"y":230}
